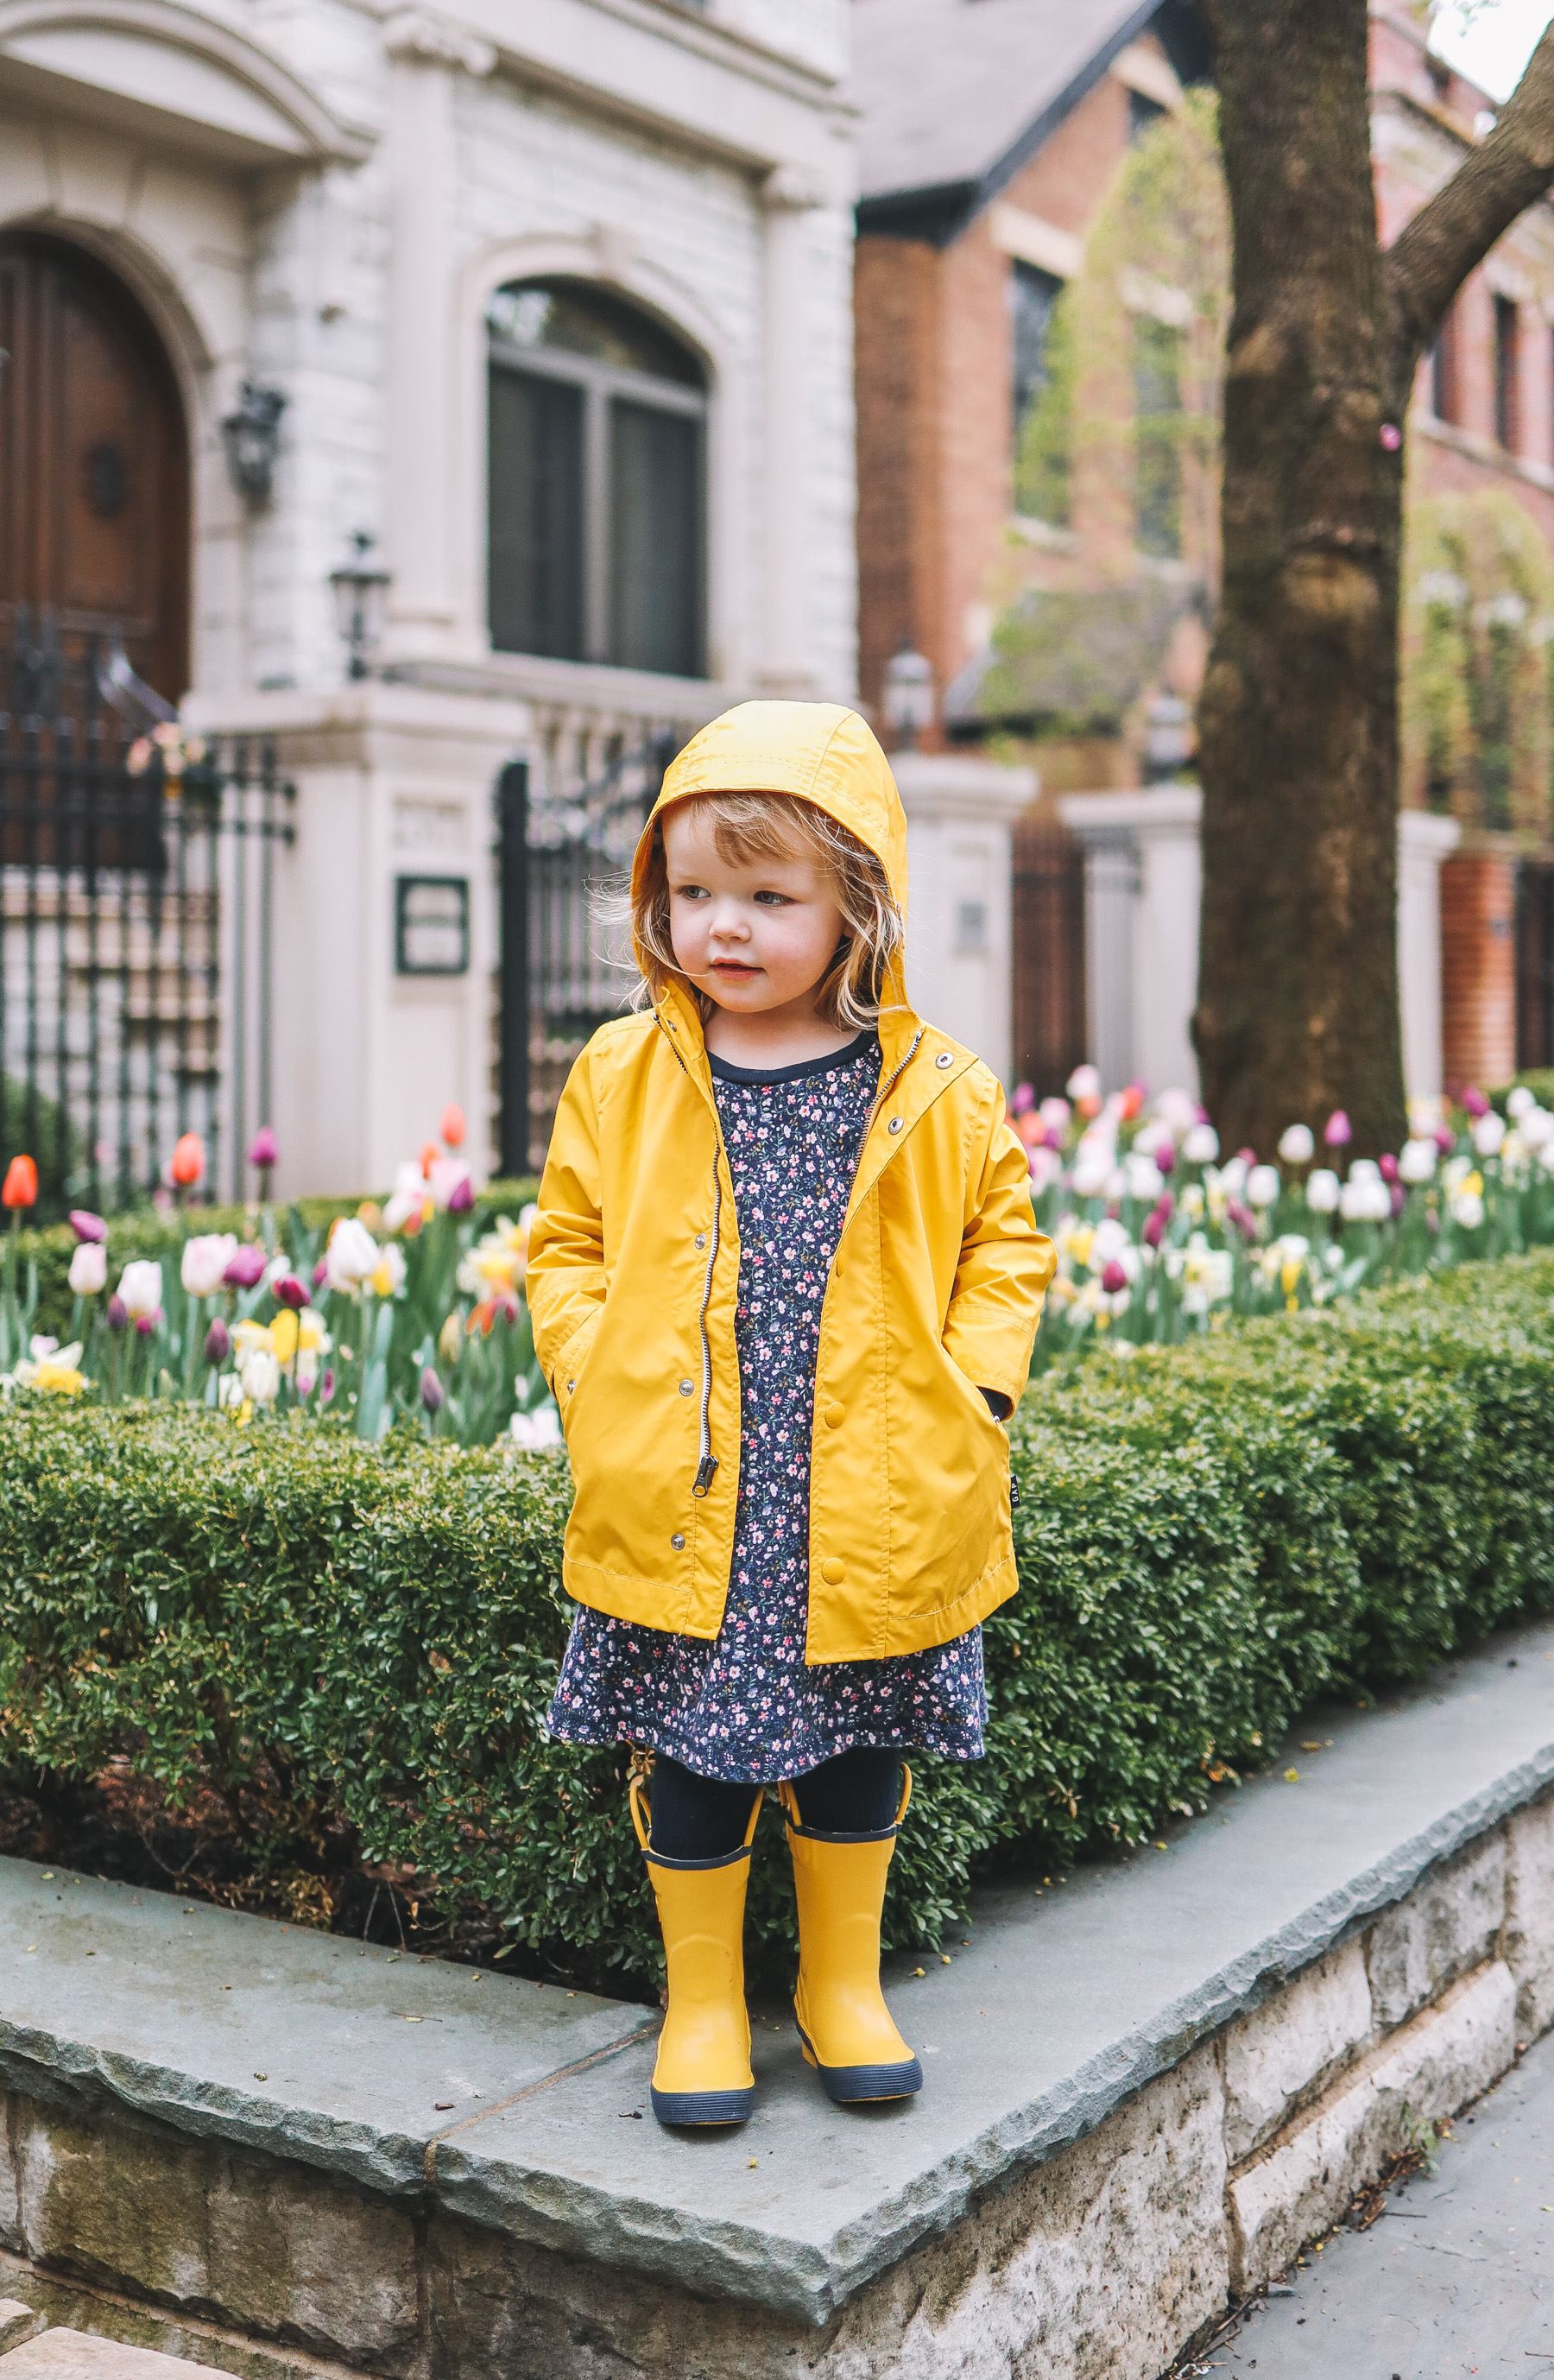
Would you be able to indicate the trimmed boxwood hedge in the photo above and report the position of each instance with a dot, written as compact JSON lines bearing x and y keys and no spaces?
{"x":1207,"y":1536}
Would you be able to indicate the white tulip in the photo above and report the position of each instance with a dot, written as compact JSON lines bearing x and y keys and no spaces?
{"x":1109,"y":1241}
{"x":1115,"y":1187}
{"x":1262,"y":1185}
{"x":1144,"y":1178}
{"x":261,"y":1376}
{"x":1364,"y":1199}
{"x":1084,"y":1082}
{"x":1536,"y":1126}
{"x":1467,"y":1209}
{"x":1201,"y":1145}
{"x":89,"y":1269}
{"x":1178,"y":1110}
{"x":352,"y":1254}
{"x":141,"y":1288}
{"x":204,"y":1262}
{"x":1232,"y":1180}
{"x":1092,"y":1170}
{"x":1520,"y":1100}
{"x":1323,"y":1191}
{"x":1045,"y":1167}
{"x":1297,"y":1145}
{"x":1364,"y":1169}
{"x":1488,"y":1132}
{"x":535,"y":1431}
{"x":1416,"y":1161}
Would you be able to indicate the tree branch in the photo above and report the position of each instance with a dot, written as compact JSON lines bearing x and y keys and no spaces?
{"x":1437,"y":250}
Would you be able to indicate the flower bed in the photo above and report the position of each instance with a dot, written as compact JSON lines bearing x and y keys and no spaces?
{"x":344,"y":1648}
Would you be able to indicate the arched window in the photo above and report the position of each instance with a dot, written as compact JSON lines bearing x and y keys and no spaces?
{"x":597,"y":473}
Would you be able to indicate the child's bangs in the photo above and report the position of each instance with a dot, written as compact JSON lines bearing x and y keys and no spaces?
{"x":759,"y":826}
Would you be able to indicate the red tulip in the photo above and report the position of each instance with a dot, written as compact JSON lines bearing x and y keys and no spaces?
{"x":452,"y":1126}
{"x":189,"y":1160}
{"x":21,"y":1183}
{"x":290,"y":1292}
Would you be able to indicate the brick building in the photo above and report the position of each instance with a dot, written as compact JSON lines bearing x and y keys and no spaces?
{"x":992,"y":135}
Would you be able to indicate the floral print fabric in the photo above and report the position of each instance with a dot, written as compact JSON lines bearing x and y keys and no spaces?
{"x":746,"y":1708}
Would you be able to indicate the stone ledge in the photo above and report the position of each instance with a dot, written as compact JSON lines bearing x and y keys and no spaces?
{"x":388,"y":2116}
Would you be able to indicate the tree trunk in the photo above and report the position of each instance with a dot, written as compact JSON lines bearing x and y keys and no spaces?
{"x":1298,"y":992}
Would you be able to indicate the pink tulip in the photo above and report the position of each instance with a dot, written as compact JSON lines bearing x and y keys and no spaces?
{"x":1153,"y":1228}
{"x":247,"y":1266}
{"x":1248,"y":1157}
{"x":1337,"y":1132}
{"x":1445,"y":1139}
{"x":263,"y":1151}
{"x":321,"y":1272}
{"x":1474,"y":1102}
{"x":1023,"y":1101}
{"x":1389,"y":1166}
{"x":1112,"y":1277}
{"x":1400,"y":1199}
{"x":146,"y":1323}
{"x":1165,"y":1158}
{"x":86,"y":1225}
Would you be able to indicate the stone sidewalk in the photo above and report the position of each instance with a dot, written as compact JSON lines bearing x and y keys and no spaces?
{"x":1144,"y":2086}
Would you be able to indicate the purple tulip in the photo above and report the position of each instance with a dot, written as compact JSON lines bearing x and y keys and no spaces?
{"x":1153,"y":1228}
{"x":461,"y":1197}
{"x":289,"y":1291}
{"x":1389,"y":1166}
{"x":434,"y":1394}
{"x":117,"y":1313}
{"x":321,"y":1272}
{"x":1165,"y":1158}
{"x":86,"y":1225}
{"x":326,"y":1388}
{"x":1023,"y":1101}
{"x":1112,"y":1277}
{"x":1244,"y":1221}
{"x":218,"y":1343}
{"x":247,"y":1266}
{"x":1400,"y":1199}
{"x":263,"y":1153}
{"x":1337,"y":1132}
{"x":1474,"y":1102}
{"x":1445,"y":1139}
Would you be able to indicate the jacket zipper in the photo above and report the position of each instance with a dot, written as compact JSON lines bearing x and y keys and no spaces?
{"x":883,"y":1093}
{"x":707,"y":1462}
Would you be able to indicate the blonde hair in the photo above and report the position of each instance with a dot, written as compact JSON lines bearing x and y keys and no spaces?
{"x":782,"y":826}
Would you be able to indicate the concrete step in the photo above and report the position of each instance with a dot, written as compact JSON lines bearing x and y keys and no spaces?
{"x":76,"y":2355}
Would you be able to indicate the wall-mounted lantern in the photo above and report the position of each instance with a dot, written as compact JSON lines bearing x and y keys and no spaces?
{"x":252,"y":436}
{"x":360,"y":599}
{"x":909,"y":698}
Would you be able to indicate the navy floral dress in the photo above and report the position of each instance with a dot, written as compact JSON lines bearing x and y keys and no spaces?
{"x":746,"y":1708}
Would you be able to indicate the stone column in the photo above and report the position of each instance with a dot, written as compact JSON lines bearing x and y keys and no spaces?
{"x":960,"y":818}
{"x":425,"y":54}
{"x":1423,"y":843}
{"x":391,"y":781}
{"x":786,"y":665}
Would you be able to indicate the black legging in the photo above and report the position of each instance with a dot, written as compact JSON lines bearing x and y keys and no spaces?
{"x":702,"y":1817}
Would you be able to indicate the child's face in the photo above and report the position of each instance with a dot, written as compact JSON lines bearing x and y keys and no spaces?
{"x":754,"y":935}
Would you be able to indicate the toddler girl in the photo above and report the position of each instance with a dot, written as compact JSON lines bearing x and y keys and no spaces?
{"x":783,"y":1276}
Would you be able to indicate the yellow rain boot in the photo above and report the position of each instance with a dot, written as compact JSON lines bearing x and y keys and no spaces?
{"x":843,"y":2023}
{"x":702,"y":2074}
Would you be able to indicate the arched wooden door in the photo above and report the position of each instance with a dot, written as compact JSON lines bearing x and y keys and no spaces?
{"x":93,"y":460}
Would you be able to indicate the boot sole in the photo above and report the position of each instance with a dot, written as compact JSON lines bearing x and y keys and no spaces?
{"x":703,"y":2106}
{"x":852,"y":2086}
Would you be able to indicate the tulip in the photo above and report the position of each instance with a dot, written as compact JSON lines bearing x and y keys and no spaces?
{"x":1488,"y":1133}
{"x":1262,"y":1185}
{"x":1387,"y":1168}
{"x":461,"y":1197}
{"x":189,"y":1160}
{"x":218,"y":1343}
{"x":1084,"y":1082}
{"x":450,"y":1186}
{"x":1165,"y":1158}
{"x":116,"y":1314}
{"x":289,"y":1291}
{"x":86,"y":1225}
{"x":146,"y":1324}
{"x":1519,"y":1102}
{"x":140,"y":1289}
{"x":1337,"y":1132}
{"x":452,"y":1126}
{"x":535,"y":1431}
{"x":1021,"y":1102}
{"x":1297,"y":1145}
{"x":1417,"y":1162}
{"x":321,"y":1272}
{"x":326,"y":1387}
{"x":202,"y":1268}
{"x":1154,"y":1229}
{"x":433,"y":1395}
{"x":353,"y":1255}
{"x":1201,"y":1146}
{"x":263,"y":1151}
{"x":1474,"y":1101}
{"x":89,"y":1269}
{"x":1112,"y":1277}
{"x":1323,"y":1191}
{"x":20,"y":1185}
{"x":261,"y":1377}
{"x":1445,"y":1139}
{"x":247,"y":1266}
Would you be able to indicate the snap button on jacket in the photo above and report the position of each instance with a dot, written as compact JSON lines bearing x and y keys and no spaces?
{"x":935,"y":1294}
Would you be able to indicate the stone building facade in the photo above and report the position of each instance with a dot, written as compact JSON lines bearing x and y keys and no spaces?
{"x":557,"y":303}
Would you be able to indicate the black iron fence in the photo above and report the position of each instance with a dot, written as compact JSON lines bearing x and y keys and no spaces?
{"x":1051,"y":1028}
{"x":566,"y":967}
{"x":1535,"y":964}
{"x":137,"y":929}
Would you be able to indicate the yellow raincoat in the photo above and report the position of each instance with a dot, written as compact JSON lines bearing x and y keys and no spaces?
{"x":934,"y":1295}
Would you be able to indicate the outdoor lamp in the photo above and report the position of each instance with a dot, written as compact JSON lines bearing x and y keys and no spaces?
{"x":359,"y":596}
{"x":908,"y":696}
{"x":251,"y":436}
{"x":1168,"y":738}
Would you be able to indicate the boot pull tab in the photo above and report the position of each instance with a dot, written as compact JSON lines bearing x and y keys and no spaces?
{"x":639,"y":1803}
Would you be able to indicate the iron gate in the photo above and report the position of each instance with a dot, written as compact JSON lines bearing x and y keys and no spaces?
{"x":1050,"y":1036}
{"x":136,"y":902}
{"x":566,"y":965}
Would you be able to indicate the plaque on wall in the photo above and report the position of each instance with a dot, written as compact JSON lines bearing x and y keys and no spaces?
{"x":432,"y":925}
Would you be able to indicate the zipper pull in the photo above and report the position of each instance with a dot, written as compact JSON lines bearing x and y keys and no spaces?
{"x":704,"y":1471}
{"x":1013,"y":1493}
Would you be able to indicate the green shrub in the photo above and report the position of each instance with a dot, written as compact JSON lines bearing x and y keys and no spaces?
{"x":329,"y":1634}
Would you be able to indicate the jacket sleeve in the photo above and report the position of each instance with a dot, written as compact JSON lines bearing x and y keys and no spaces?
{"x":1005,"y":1265}
{"x":564,"y":1278}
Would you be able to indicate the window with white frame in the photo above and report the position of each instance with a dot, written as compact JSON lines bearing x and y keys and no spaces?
{"x":597,"y":482}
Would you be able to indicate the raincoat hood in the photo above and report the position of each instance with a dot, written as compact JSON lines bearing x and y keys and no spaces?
{"x":818,"y":751}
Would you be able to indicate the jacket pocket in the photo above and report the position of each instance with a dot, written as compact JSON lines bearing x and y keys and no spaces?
{"x":566,"y":1377}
